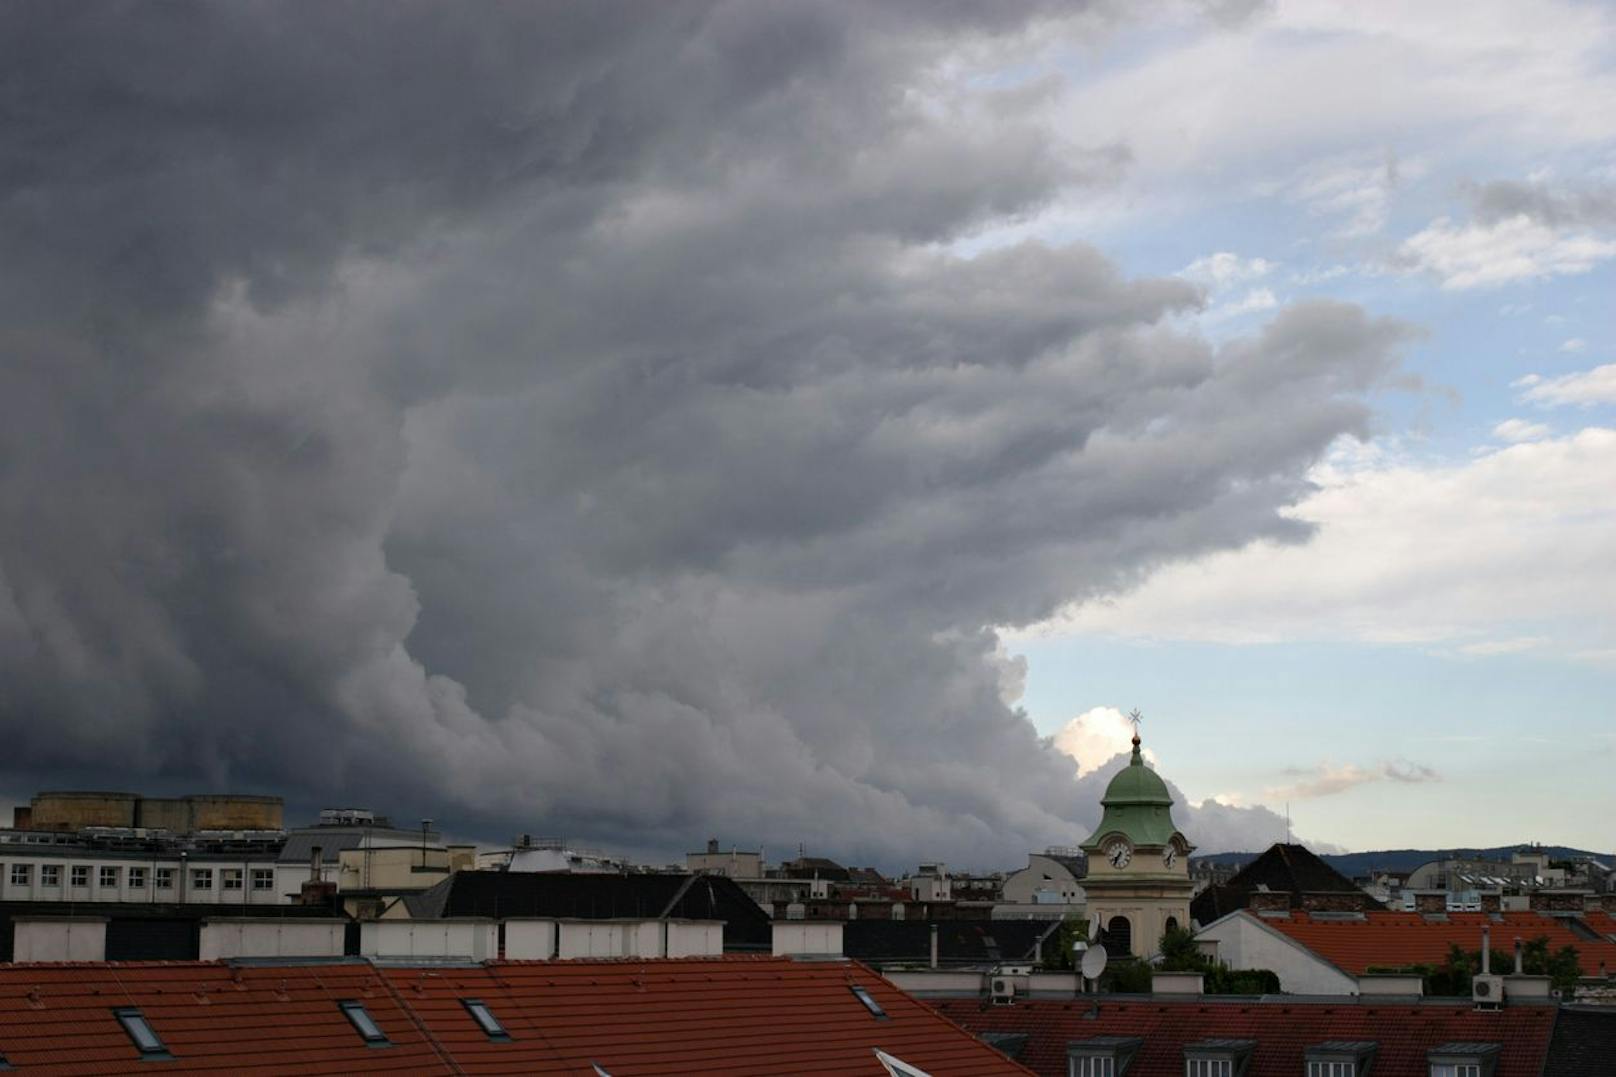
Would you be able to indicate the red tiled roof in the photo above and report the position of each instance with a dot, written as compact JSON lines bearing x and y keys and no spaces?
{"x":633,"y":1018}
{"x":734,"y":1015}
{"x":1395,"y":938}
{"x":1282,"y":1031}
{"x":58,"y":1019}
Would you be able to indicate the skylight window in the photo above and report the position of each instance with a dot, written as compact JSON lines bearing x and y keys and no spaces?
{"x":485,"y":1019}
{"x":869,"y":1002}
{"x":146,"y":1041}
{"x":364,"y":1024}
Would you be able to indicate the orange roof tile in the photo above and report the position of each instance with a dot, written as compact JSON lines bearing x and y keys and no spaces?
{"x":1384,"y":939}
{"x":732,"y":1015}
{"x":709,"y":1015}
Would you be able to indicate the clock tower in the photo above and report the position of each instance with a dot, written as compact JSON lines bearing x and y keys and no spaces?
{"x":1138,"y":882}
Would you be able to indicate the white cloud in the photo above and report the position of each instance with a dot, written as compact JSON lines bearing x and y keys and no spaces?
{"x":1520,"y":430}
{"x":1357,"y":190}
{"x":1488,"y":648}
{"x":1095,"y":737}
{"x":1516,"y":542}
{"x":1575,"y":344}
{"x":1486,"y":255}
{"x":1586,"y":387}
{"x":1226,"y":269}
{"x":1328,"y":779}
{"x":1291,"y":85}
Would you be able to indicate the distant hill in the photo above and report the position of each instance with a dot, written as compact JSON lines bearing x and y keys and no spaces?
{"x":1351,"y":864}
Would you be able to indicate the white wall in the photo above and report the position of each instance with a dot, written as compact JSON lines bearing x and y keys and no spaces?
{"x":122,"y":887}
{"x":59,"y":939}
{"x":807,"y":937}
{"x":1245,"y":943}
{"x":695,"y":938}
{"x":530,"y":939}
{"x":223,"y":939}
{"x":468,"y":938}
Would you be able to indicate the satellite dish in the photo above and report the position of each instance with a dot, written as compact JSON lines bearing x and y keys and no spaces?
{"x":1094,"y":962}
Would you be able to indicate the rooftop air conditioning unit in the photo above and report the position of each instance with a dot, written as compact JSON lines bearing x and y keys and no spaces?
{"x":1487,"y":991}
{"x":1003,"y":990}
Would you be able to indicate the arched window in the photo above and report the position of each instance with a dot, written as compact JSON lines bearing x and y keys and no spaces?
{"x":1172,"y":923}
{"x":1119,"y":937}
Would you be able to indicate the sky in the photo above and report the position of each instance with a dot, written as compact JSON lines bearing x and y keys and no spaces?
{"x":816,"y":424}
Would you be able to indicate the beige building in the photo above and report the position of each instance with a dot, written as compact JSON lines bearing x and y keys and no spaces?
{"x":733,"y":864}
{"x":1138,"y":884}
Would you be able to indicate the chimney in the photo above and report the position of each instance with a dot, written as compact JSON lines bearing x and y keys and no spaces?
{"x":933,"y":945}
{"x":1486,"y":949}
{"x":712,"y":846}
{"x":316,"y":869}
{"x":1518,"y":968}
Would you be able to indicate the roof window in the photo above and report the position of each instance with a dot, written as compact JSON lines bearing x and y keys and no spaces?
{"x":1463,"y":1059}
{"x":139,"y":1030}
{"x":364,"y":1024}
{"x":1217,"y":1058}
{"x":869,"y":1002}
{"x":1101,"y":1056}
{"x":1340,"y":1058}
{"x":485,"y":1019}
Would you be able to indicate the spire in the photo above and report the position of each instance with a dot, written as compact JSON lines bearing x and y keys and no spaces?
{"x":1135,"y":717}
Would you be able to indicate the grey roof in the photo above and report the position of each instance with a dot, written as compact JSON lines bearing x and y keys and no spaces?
{"x":334,"y":839}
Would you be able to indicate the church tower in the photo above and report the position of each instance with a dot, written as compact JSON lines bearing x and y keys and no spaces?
{"x":1138,"y":882}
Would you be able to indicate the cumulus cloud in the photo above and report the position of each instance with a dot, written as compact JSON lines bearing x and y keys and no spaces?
{"x":1329,"y":779}
{"x":576,"y":417}
{"x":1399,"y":546}
{"x":1225,"y":269}
{"x":1520,"y":430}
{"x":1482,"y":255}
{"x":1093,"y":737}
{"x":1503,"y":200}
{"x":1583,"y":387}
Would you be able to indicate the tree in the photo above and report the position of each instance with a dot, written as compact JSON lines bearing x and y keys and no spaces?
{"x":1058,"y":954}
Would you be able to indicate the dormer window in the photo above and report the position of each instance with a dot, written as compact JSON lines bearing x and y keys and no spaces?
{"x":1101,"y":1056}
{"x":1340,"y":1058}
{"x":1464,"y":1059}
{"x":1218,"y":1058}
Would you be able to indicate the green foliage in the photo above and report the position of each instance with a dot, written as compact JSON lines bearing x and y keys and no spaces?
{"x":1126,"y":976}
{"x":1453,"y":978}
{"x":1058,"y":955}
{"x":1180,"y":953}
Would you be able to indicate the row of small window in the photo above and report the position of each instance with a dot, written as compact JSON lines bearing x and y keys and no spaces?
{"x":162,"y":878}
{"x":151,"y":1045}
{"x":1106,"y":1065}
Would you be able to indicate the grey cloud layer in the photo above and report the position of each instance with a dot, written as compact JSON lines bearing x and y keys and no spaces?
{"x":572,"y":417}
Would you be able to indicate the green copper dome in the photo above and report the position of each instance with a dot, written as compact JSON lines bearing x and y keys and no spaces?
{"x":1137,"y":805}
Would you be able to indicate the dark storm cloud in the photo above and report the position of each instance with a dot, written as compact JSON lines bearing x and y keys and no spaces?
{"x":574,"y":416}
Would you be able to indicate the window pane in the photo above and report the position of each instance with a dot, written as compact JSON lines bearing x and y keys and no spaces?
{"x":146,"y":1041}
{"x":367,"y":1027}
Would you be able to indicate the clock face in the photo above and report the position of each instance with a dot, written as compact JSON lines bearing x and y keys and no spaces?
{"x":1170,"y":857}
{"x":1119,"y":855}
